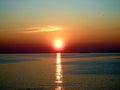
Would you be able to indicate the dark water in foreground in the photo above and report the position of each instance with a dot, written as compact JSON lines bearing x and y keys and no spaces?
{"x":60,"y":71}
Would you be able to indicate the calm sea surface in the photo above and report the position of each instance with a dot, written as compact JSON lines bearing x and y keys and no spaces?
{"x":60,"y":71}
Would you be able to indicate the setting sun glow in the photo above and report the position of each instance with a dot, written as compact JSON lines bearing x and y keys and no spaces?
{"x":58,"y":44}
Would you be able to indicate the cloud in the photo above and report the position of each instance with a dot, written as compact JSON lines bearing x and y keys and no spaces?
{"x":43,"y":29}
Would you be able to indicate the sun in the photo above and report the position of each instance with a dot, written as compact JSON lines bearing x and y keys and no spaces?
{"x":58,"y":43}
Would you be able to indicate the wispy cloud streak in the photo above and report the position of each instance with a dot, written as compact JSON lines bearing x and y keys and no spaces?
{"x":43,"y":29}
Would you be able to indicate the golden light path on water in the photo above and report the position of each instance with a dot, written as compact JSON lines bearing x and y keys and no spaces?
{"x":59,"y":75}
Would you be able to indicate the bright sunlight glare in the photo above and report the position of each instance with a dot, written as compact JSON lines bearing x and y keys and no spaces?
{"x":58,"y":44}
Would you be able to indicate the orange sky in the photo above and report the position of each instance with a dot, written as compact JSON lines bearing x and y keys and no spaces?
{"x":79,"y":23}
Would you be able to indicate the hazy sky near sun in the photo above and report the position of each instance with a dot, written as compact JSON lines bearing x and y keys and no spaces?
{"x":75,"y":21}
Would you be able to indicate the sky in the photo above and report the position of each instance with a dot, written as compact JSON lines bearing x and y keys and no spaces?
{"x":82,"y":25}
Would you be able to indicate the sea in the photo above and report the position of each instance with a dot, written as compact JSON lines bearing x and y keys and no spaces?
{"x":60,"y":71}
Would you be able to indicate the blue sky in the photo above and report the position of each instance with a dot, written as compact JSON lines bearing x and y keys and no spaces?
{"x":14,"y":7}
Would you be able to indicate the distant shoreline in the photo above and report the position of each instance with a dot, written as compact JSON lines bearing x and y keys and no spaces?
{"x":55,"y":52}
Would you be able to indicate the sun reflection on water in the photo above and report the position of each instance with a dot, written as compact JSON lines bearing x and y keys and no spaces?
{"x":59,"y":75}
